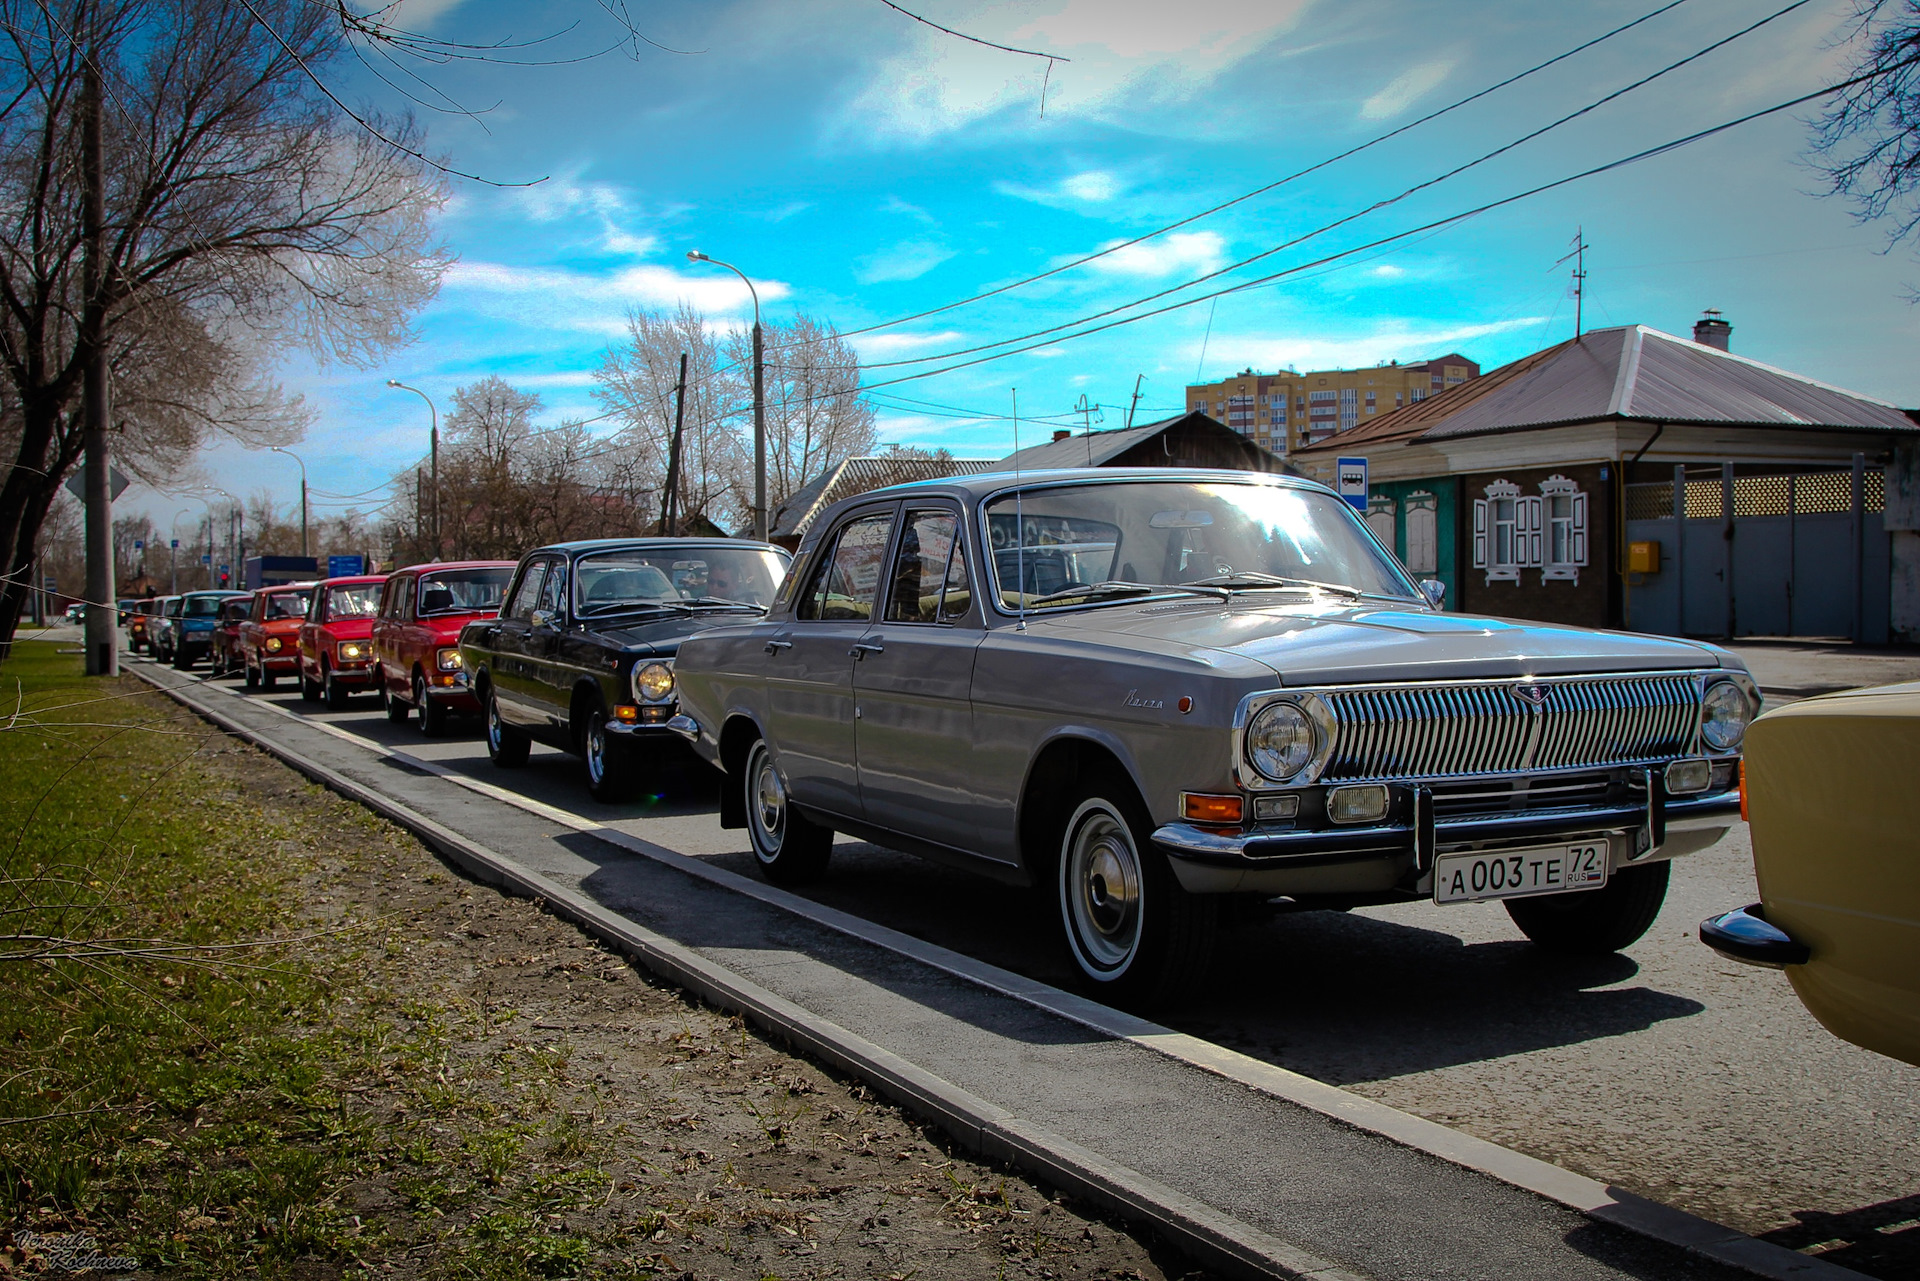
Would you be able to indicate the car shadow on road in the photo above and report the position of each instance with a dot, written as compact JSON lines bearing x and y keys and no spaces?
{"x":1881,"y":1240}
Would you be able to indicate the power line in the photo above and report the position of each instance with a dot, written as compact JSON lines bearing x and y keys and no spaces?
{"x":1352,"y":217}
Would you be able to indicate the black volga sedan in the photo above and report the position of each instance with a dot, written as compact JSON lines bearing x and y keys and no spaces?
{"x":581,"y":655}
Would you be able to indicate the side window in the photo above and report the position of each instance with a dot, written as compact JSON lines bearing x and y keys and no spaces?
{"x":846,"y":582}
{"x":924,"y":568}
{"x":553,"y":597}
{"x":403,"y":607}
{"x":259,"y":614}
{"x":526,"y":592}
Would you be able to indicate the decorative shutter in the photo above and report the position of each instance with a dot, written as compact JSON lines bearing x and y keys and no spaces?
{"x":1577,"y":535}
{"x":1528,"y":514}
{"x":1479,"y":533}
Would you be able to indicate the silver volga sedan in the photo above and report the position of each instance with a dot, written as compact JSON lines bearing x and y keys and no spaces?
{"x":1151,"y":691}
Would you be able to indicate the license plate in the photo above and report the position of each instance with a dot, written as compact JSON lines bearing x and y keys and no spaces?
{"x":1548,"y":869}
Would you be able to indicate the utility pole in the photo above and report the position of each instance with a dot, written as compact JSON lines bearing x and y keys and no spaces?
{"x":1579,"y":257}
{"x":759,"y":400}
{"x":1135,"y":402}
{"x":669,"y":506}
{"x":102,"y":652}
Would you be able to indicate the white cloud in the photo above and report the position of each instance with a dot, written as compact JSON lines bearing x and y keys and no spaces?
{"x":1093,"y":186}
{"x":1121,"y":51}
{"x":1194,"y":252}
{"x":908,"y":260}
{"x":418,"y":15}
{"x":887,"y":346}
{"x":580,"y":300}
{"x":1393,"y":341}
{"x":1406,"y":89}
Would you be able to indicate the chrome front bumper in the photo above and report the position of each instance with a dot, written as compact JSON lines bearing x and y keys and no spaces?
{"x":1215,"y":860}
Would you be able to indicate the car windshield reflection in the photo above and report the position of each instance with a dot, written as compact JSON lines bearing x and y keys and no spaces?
{"x":618,"y":580}
{"x":1066,"y":546}
{"x":359,"y":601}
{"x":463,"y":591}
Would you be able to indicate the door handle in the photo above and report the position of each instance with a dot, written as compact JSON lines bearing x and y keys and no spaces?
{"x":862,"y":648}
{"x":775,"y":646}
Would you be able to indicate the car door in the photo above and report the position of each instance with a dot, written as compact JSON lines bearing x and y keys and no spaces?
{"x":389,"y":633}
{"x":809,"y":667}
{"x":549,"y":681}
{"x":912,"y":681}
{"x":509,"y":664}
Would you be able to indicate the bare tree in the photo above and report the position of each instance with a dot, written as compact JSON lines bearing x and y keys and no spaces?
{"x":816,"y":419}
{"x":243,"y":215}
{"x":1868,"y":141}
{"x":636,"y":383}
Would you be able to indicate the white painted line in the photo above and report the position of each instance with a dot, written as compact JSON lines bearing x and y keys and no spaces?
{"x":1542,"y":1178}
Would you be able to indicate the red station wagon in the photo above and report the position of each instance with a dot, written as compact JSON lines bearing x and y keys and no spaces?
{"x":270,"y":638}
{"x":336,"y":641}
{"x":416,"y":637}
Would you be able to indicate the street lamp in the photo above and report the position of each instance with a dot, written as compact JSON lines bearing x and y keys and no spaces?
{"x":304,"y":550}
{"x":759,"y":402}
{"x":173,"y":552}
{"x":396,"y":383}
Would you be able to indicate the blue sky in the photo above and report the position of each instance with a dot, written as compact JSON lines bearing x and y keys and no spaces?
{"x":862,"y":167}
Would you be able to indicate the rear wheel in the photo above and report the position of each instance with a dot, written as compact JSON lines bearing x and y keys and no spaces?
{"x":1134,"y":934}
{"x":506,"y":746}
{"x":309,"y":690}
{"x":1595,"y":922}
{"x":433,"y":716}
{"x":790,"y":848}
{"x":335,"y":694}
{"x":253,"y":675}
{"x":267,"y":678}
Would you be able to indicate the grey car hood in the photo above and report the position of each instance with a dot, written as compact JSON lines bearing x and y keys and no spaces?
{"x":1341,"y":643}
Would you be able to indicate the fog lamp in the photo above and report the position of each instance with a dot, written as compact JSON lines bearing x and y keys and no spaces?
{"x":1687,"y":777}
{"x":1364,"y":804}
{"x":1266,"y":807}
{"x":1203,"y":808}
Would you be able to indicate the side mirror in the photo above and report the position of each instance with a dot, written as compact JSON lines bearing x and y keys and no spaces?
{"x":1435,"y":591}
{"x":542,"y":618}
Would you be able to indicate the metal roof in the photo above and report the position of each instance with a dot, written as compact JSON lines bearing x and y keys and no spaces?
{"x":858,"y":475}
{"x":1630,"y":373}
{"x":1088,"y":449}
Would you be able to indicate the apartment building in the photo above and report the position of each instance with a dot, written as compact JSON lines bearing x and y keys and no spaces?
{"x":1286,"y":410}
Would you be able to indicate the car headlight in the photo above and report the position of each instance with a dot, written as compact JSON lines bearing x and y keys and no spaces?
{"x":652,"y":683}
{"x":449,"y":660}
{"x":1724,"y":716}
{"x":1280,"y":741}
{"x":273,"y":644}
{"x":352,"y":651}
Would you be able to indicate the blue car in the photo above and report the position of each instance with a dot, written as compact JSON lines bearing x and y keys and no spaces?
{"x":192,"y":631}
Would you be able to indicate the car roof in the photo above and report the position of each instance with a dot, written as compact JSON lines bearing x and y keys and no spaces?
{"x":304,"y":586}
{"x":214,"y":591}
{"x":433,"y":566}
{"x":349,"y":580}
{"x":577,"y":545}
{"x":981,"y":484}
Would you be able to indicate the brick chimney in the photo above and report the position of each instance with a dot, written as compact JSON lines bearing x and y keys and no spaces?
{"x":1061,"y":434}
{"x":1711,"y":331}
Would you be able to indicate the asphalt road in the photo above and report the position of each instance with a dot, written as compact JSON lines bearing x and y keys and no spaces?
{"x":1665,"y":1070}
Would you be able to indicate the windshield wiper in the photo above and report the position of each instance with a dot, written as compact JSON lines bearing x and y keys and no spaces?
{"x":722,"y":602}
{"x":1113,"y":588}
{"x":1253,"y":578}
{"x":633,"y":607}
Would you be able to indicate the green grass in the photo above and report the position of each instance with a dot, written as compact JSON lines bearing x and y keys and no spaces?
{"x":193,"y":1108}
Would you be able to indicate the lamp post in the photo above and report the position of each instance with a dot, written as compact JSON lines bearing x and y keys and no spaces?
{"x":759,"y":401}
{"x":304,"y":550}
{"x":396,"y":383}
{"x":173,"y":552}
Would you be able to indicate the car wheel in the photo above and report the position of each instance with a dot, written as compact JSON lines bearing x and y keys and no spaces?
{"x":253,"y":675}
{"x":612,"y":773}
{"x":1595,"y":922}
{"x":506,"y":746}
{"x":790,"y":848}
{"x":267,"y":679}
{"x":335,"y":694}
{"x":181,"y":662}
{"x":433,"y":716}
{"x":309,"y":690}
{"x":1133,"y":933}
{"x":396,"y":710}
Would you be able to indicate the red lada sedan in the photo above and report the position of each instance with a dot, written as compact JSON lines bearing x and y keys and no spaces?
{"x":416,"y":636}
{"x":336,"y":641}
{"x":270,"y":638}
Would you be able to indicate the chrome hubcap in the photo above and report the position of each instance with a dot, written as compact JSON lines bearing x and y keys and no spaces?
{"x":1101,"y":885}
{"x":596,"y":749}
{"x":493,"y":724}
{"x":767,"y":798}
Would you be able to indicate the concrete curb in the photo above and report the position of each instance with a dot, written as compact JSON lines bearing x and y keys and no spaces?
{"x":986,"y":1129}
{"x":1210,"y":1237}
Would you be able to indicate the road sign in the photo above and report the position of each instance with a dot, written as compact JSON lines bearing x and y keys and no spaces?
{"x":139,"y":544}
{"x":346,"y":566}
{"x":205,"y":559}
{"x":77,"y":483}
{"x":175,"y":544}
{"x":1352,"y":484}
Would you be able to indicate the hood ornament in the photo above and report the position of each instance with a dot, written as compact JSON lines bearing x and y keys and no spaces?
{"x":1529,"y":693}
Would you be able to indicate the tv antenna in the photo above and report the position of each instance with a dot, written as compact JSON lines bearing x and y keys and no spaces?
{"x":1579,"y":257}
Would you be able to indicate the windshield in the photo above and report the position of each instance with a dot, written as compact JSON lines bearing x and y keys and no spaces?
{"x":288,"y":605}
{"x":609,"y":581}
{"x":1229,"y":536}
{"x":463,"y":591}
{"x":362,"y":600}
{"x":204,"y":606}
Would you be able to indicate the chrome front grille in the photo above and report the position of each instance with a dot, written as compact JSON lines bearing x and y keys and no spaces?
{"x":1460,"y":728}
{"x":1530,"y":794}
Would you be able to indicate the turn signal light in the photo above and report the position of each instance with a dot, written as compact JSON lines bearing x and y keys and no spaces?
{"x":1203,"y":808}
{"x":1742,"y":768}
{"x":625,"y":712}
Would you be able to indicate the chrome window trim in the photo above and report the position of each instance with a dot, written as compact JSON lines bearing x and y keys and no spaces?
{"x":1452,"y":743}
